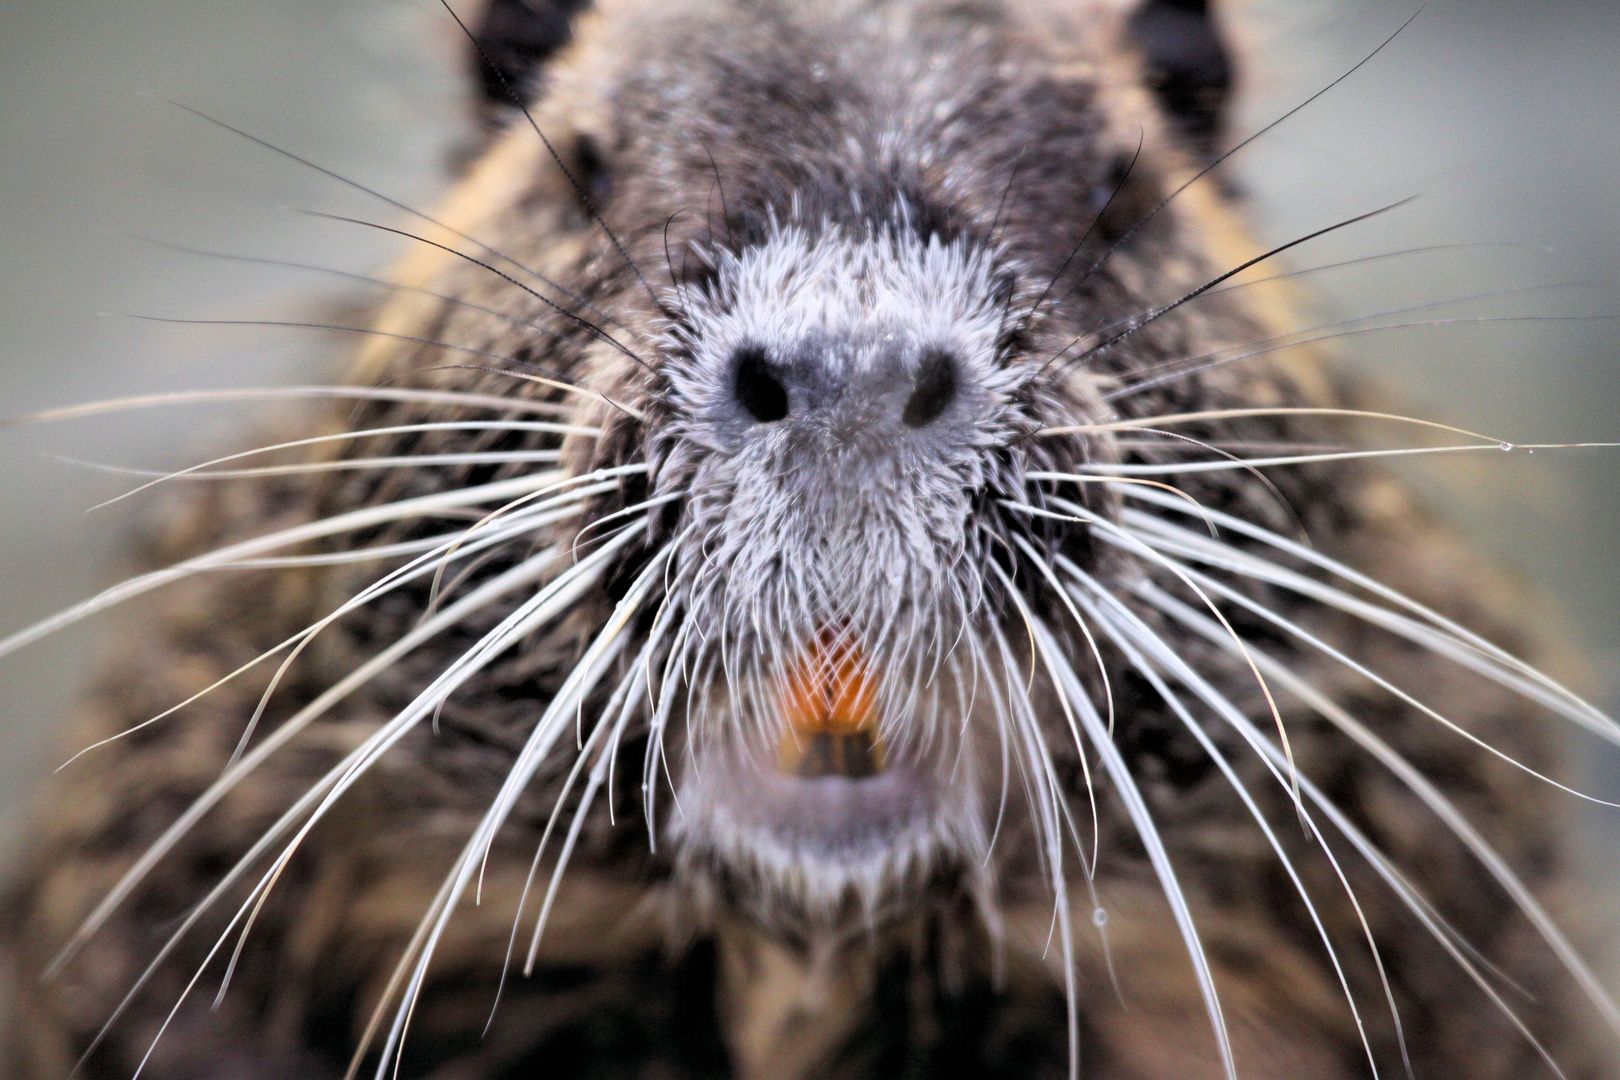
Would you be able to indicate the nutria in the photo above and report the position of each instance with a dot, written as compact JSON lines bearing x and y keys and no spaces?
{"x":836,"y":561}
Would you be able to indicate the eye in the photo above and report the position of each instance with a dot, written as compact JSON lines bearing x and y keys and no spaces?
{"x":936,"y":389}
{"x":758,"y":390}
{"x":590,"y":170}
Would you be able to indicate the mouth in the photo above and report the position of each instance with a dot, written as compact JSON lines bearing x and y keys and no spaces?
{"x":835,"y":806}
{"x":830,"y":709}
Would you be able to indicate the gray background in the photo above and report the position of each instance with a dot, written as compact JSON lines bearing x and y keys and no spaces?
{"x":1504,"y":115}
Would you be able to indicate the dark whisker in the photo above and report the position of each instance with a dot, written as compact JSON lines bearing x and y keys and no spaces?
{"x":598,"y":395}
{"x":1034,"y":309}
{"x":1338,"y":335}
{"x":1225,"y":155}
{"x":595,"y":330}
{"x":1152,"y":316}
{"x":395,"y":203}
{"x":364,"y":279}
{"x":365,"y":332}
{"x":1492,"y":294}
{"x":579,"y":189}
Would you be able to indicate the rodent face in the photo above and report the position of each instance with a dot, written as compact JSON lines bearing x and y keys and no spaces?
{"x":891,"y":517}
{"x":851,"y":276}
{"x":841,"y":412}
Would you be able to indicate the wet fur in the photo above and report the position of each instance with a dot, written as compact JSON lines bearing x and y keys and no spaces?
{"x":651,"y":967}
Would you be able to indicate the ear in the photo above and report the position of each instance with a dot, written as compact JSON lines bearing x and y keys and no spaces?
{"x":513,"y":39}
{"x":1188,"y":66}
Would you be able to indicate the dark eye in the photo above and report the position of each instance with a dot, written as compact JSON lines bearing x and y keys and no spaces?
{"x":936,"y":389}
{"x":590,"y":170}
{"x":758,"y":390}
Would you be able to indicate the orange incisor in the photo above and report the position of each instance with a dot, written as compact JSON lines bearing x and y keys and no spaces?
{"x":830,"y":703}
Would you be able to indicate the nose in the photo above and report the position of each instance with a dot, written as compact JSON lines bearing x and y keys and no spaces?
{"x":877,"y":385}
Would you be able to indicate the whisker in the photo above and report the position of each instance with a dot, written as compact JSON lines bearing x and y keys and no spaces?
{"x":1146,"y":376}
{"x":1125,"y":176}
{"x":1151,"y":673}
{"x":634,"y":414}
{"x":421,"y":506}
{"x":1147,"y":831}
{"x":579,"y":189}
{"x":1440,"y":806}
{"x":1158,"y":313}
{"x":1038,"y":561}
{"x":1206,"y":415}
{"x":1097,"y":522}
{"x":512,"y":629}
{"x":1169,"y":441}
{"x":366,"y":331}
{"x":1108,"y":469}
{"x":1434,"y":630}
{"x":361,"y":393}
{"x":395,"y":203}
{"x":404,"y":461}
{"x":584,"y":323}
{"x":340,"y":558}
{"x":1426,"y":249}
{"x":1214,"y":360}
{"x":1214,"y":164}
{"x":1213,"y":586}
{"x":622,"y":701}
{"x":557,"y":596}
{"x":1051,"y":812}
{"x":586,"y":673}
{"x":522,"y":516}
{"x":445,"y":548}
{"x":365,"y":433}
{"x":376,"y":282}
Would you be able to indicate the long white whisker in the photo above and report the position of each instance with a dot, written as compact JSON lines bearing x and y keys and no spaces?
{"x":421,"y":506}
{"x":455,"y":544}
{"x":580,"y":681}
{"x":1101,"y":524}
{"x":1150,"y":672}
{"x":367,"y":433}
{"x":1111,"y":469}
{"x":593,"y":784}
{"x":1205,"y":415}
{"x":562,"y":591}
{"x":519,"y":519}
{"x":1102,"y":667}
{"x":296,"y":641}
{"x":622,"y":702}
{"x":1294,"y":629}
{"x":527,"y":617}
{"x":355,"y":464}
{"x":558,"y":595}
{"x":1050,"y":812}
{"x":342,"y":558}
{"x":1148,"y":832}
{"x":1456,"y":641}
{"x":359,"y":393}
{"x":1432,"y":797}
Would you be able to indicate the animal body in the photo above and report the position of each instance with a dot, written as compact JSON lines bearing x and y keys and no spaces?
{"x":826,"y":566}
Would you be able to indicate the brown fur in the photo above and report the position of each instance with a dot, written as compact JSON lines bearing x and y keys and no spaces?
{"x":643,"y":972}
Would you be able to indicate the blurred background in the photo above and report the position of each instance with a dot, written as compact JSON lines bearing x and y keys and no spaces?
{"x":1504,"y":116}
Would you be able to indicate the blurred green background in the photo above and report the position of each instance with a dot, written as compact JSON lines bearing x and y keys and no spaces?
{"x":1504,"y":115}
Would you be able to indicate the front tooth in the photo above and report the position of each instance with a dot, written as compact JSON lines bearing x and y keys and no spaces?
{"x":830,"y":705}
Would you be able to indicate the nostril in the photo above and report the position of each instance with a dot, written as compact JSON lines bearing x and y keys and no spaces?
{"x":758,"y":390}
{"x":936,"y":389}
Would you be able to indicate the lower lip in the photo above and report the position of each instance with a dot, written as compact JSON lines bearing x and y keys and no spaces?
{"x":826,"y":817}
